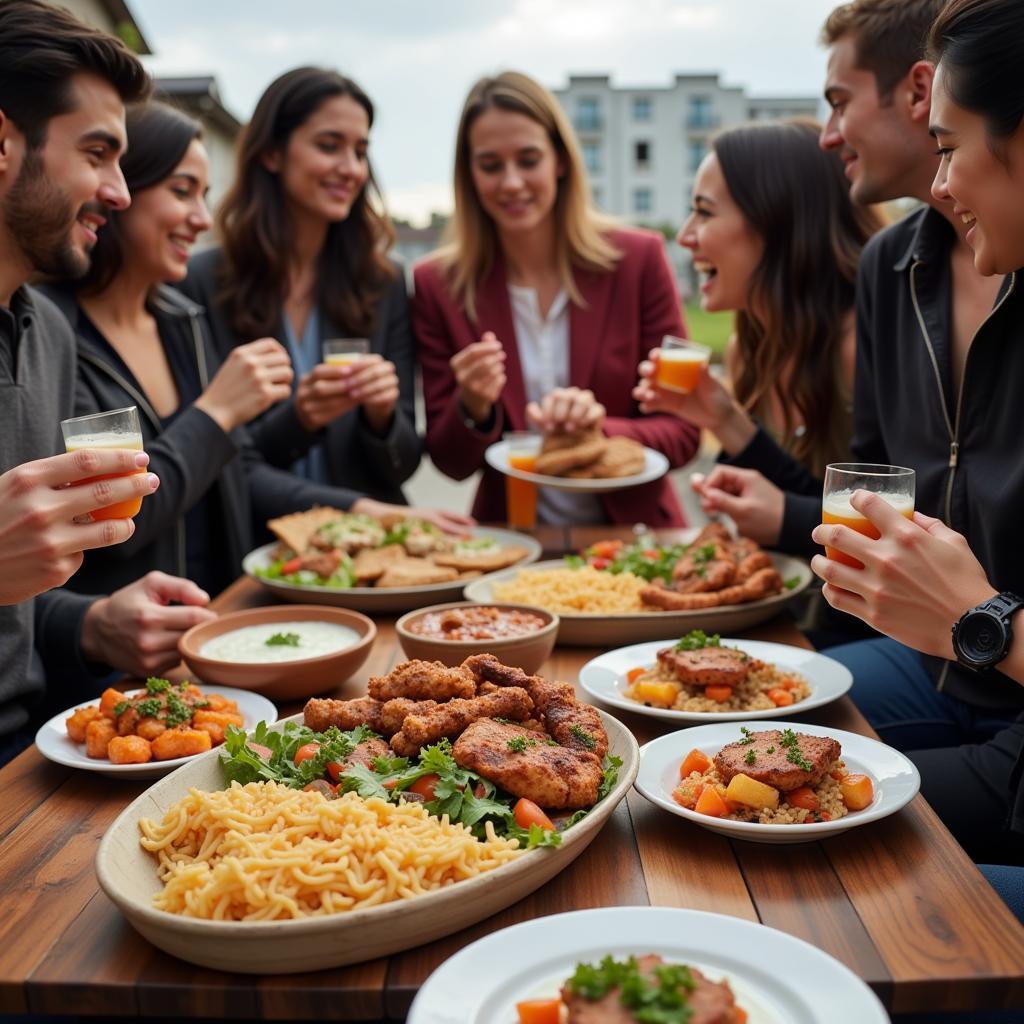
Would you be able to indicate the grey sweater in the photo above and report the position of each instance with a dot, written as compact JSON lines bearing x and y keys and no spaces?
{"x":34,"y":398}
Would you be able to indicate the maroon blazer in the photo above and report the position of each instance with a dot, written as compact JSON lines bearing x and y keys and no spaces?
{"x":626,"y":313}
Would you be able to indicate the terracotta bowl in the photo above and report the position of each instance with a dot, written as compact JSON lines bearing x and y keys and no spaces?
{"x":527,"y":652}
{"x":285,"y":680}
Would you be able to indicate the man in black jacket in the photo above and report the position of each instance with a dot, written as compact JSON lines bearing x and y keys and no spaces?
{"x":938,"y":374}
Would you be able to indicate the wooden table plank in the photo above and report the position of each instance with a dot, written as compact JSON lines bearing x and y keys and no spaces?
{"x":29,"y":781}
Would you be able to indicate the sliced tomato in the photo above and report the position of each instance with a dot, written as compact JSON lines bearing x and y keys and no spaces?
{"x":605,"y":549}
{"x":306,"y":751}
{"x":479,"y":791}
{"x":292,"y":565}
{"x":527,"y":813}
{"x":425,"y":786}
{"x":334,"y":769}
{"x":600,"y":563}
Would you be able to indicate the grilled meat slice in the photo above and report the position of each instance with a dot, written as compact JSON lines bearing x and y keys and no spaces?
{"x":546,"y":773}
{"x":772,"y":752}
{"x":366,"y":753}
{"x":708,"y":666}
{"x":576,"y":725}
{"x":452,"y":718}
{"x":345,"y":714}
{"x":422,"y":680}
{"x":709,"y":1002}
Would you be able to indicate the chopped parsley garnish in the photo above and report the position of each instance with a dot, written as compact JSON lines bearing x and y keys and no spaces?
{"x":154,"y":685}
{"x":121,"y":707}
{"x":751,"y":757}
{"x":149,"y":708}
{"x":584,"y":737}
{"x":282,"y":640}
{"x":792,"y":744}
{"x":519,"y":743}
{"x":661,"y":997}
{"x":697,"y":640}
{"x":748,"y":736}
{"x":792,"y":583}
{"x":771,"y":750}
{"x":178,"y":711}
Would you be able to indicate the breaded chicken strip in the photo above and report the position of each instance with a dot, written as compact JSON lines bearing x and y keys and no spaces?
{"x":321,"y":714}
{"x":452,"y":718}
{"x":549,"y":775}
{"x":393,"y":713}
{"x":422,"y":680}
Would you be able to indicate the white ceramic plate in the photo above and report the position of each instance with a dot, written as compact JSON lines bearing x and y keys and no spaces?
{"x":604,"y":630}
{"x":128,"y":875}
{"x":776,"y":978}
{"x":389,"y":599}
{"x":55,"y":744}
{"x":895,"y":779}
{"x":655,"y":467}
{"x":604,"y":677}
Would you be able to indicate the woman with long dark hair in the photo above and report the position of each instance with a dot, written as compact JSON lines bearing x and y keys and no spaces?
{"x":142,"y":343}
{"x":539,"y":308}
{"x":303,"y":259}
{"x":776,"y":237}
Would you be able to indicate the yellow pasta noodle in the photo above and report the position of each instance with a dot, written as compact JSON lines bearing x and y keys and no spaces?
{"x":574,"y":590}
{"x":265,"y":852}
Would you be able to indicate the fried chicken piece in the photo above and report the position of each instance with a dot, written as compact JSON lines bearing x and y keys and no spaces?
{"x":371,"y":563}
{"x":571,"y":722}
{"x":622,"y":457}
{"x":712,"y":533}
{"x":704,"y":569}
{"x":452,"y":718}
{"x":415,"y":572}
{"x":546,"y":773}
{"x":322,"y":564}
{"x":764,"y":583}
{"x":320,"y":714}
{"x":393,"y":713}
{"x":423,"y":680}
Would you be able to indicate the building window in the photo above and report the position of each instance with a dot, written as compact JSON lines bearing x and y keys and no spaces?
{"x":642,"y":155}
{"x":642,"y":108}
{"x":591,"y":157}
{"x":700,"y":115}
{"x":642,"y":201}
{"x":698,"y":150}
{"x":588,"y":114}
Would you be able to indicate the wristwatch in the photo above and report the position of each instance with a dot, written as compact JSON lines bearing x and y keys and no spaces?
{"x":982,"y":635}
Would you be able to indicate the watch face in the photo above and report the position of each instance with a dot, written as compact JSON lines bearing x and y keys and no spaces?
{"x":981,"y":638}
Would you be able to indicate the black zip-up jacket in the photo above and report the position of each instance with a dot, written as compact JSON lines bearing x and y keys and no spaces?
{"x":356,"y":456}
{"x":190,"y":456}
{"x":966,"y":447}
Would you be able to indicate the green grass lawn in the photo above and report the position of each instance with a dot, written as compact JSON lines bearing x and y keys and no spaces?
{"x":712,"y":329}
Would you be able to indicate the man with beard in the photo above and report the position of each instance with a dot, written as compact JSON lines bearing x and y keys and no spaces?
{"x":63,"y":87}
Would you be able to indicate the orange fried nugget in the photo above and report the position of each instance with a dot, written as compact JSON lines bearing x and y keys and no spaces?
{"x":129,"y":750}
{"x":180,"y":742}
{"x":77,"y":723}
{"x":98,"y":733}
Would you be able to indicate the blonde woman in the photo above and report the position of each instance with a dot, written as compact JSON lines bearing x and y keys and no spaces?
{"x":539,"y":309}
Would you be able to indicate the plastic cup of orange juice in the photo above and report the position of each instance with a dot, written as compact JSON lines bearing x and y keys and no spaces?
{"x":116,"y":429}
{"x":521,"y":495}
{"x":895,"y":484}
{"x":679,"y":364}
{"x":344,"y":351}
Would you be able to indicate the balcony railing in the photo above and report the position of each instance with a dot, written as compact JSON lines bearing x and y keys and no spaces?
{"x":588,"y":123}
{"x":702,"y":121}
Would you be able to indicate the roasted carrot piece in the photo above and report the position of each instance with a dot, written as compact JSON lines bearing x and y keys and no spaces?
{"x":631,"y":676}
{"x":695,"y":761}
{"x":540,"y":1011}
{"x":804,"y":797}
{"x":779,"y":697}
{"x":857,"y":791}
{"x":710,"y":803}
{"x":719,"y":693}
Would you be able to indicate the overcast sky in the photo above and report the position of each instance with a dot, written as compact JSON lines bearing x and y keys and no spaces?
{"x":417,"y":58}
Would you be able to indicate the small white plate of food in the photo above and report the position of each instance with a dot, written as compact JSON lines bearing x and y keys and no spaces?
{"x":775,"y":782}
{"x":588,"y":462}
{"x":443,"y":796}
{"x":148,"y":732}
{"x":616,"y":593}
{"x":701,"y":678}
{"x":573,"y":967}
{"x":325,"y":556}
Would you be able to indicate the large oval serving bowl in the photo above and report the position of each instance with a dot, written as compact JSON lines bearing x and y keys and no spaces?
{"x":128,"y":875}
{"x":285,"y":680}
{"x":614,"y":629}
{"x":384,"y":599}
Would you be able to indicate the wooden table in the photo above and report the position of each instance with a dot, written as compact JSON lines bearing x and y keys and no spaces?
{"x":898,"y":901}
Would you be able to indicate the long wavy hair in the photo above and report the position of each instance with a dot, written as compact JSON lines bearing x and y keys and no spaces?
{"x":158,"y":139}
{"x":581,"y":232}
{"x":253,"y":221}
{"x":789,"y":335}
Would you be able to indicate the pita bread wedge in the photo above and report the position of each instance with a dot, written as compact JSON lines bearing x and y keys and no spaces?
{"x":487,"y":560}
{"x":296,"y":530}
{"x":371,"y":563}
{"x":622,"y":457}
{"x":557,"y":456}
{"x":415,"y":572}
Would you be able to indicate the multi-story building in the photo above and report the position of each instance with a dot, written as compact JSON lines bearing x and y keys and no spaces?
{"x":642,"y":146}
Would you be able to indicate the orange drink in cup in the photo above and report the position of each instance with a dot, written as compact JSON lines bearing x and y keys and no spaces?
{"x":679,"y":364}
{"x":345,"y":351}
{"x":895,"y":484}
{"x":521,"y":495}
{"x":117,"y":429}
